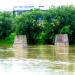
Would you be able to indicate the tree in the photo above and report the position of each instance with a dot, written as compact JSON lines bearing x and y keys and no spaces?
{"x":5,"y":24}
{"x":42,"y":26}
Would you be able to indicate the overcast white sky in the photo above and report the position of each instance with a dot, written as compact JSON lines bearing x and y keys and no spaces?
{"x":8,"y":4}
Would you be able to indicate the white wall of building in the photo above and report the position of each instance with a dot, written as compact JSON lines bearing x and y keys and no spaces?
{"x":9,"y":4}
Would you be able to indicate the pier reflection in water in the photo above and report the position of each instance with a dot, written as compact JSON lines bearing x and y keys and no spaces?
{"x":20,"y":45}
{"x":47,"y":52}
{"x":62,"y":47}
{"x":37,"y":59}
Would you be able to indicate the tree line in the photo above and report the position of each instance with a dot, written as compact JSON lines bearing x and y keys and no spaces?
{"x":40,"y":26}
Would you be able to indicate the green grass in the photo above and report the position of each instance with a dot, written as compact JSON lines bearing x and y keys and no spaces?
{"x":8,"y":42}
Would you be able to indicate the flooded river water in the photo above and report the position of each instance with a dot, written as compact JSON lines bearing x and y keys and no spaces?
{"x":36,"y":60}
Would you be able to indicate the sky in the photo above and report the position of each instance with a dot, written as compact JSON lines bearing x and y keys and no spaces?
{"x":7,"y":5}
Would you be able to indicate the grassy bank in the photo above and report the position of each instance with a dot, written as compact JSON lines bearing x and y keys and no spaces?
{"x":8,"y":42}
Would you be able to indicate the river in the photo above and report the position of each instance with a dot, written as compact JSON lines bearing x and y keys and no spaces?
{"x":37,"y":60}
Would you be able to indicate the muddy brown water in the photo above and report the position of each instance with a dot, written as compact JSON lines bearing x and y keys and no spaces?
{"x":37,"y":60}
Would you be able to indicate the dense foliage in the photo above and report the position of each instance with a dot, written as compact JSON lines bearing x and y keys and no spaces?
{"x":5,"y":24}
{"x":42,"y":26}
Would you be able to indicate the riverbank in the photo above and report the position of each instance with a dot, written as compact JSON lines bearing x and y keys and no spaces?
{"x":8,"y":42}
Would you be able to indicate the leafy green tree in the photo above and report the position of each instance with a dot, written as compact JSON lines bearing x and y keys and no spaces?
{"x":5,"y":24}
{"x":42,"y":26}
{"x":28,"y":24}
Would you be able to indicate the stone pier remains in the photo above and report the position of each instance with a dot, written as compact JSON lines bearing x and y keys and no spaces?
{"x":20,"y":45}
{"x":61,"y":46}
